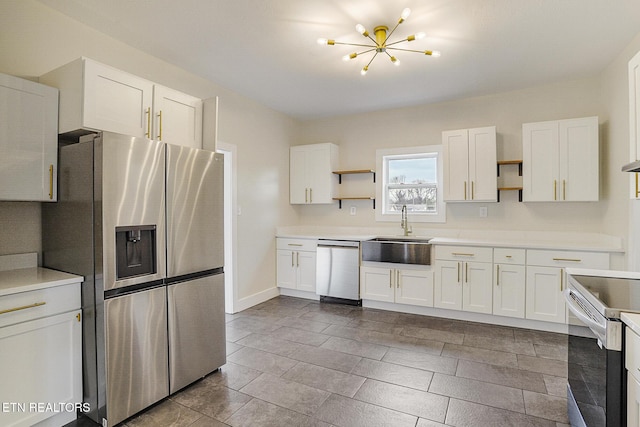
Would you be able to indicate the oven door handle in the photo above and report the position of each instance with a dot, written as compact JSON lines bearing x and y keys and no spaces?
{"x":600,"y":329}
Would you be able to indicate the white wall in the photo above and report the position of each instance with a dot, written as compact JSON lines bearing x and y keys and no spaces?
{"x":360,"y":135}
{"x":35,"y":39}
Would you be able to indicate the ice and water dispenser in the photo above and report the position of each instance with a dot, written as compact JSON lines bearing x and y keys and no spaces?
{"x":135,"y":251}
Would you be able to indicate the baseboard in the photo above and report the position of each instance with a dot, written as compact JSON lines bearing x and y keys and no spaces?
{"x":255,"y":299}
{"x":299,"y":294}
{"x":469,"y":316}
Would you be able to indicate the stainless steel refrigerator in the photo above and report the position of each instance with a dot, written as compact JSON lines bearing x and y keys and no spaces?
{"x":142,"y":222}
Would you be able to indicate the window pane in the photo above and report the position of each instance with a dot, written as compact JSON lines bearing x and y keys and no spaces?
{"x":412,"y":170}
{"x":417,"y":199}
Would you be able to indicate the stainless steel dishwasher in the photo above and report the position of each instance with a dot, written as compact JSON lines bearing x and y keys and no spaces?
{"x":338,"y":271}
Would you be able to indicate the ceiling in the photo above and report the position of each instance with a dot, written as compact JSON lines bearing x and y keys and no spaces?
{"x":267,"y":49}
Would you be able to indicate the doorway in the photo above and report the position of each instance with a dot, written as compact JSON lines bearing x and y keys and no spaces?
{"x":229,"y":151}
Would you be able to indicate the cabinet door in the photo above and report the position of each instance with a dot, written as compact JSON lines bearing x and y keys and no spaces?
{"x":482,"y":164}
{"x":116,"y":101}
{"x":633,"y":401}
{"x":28,"y":140}
{"x":177,"y":117}
{"x":298,"y":187}
{"x":377,"y":283}
{"x":544,"y":299}
{"x":414,"y":287}
{"x":456,"y":165}
{"x":540,"y":162}
{"x":286,"y":269}
{"x":578,"y":160}
{"x":634,"y":107}
{"x":447,"y":291}
{"x":41,"y":363}
{"x":508,"y":290}
{"x":319,"y":174}
{"x":306,"y":271}
{"x":476,"y":289}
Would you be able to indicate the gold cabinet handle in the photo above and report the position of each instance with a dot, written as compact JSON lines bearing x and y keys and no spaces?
{"x":465,"y":190}
{"x":294,"y":244}
{"x":497,"y":274}
{"x":397,"y":278}
{"x":306,"y":195}
{"x":564,"y":189}
{"x":78,"y":317}
{"x":466,"y":273}
{"x":568,"y":259}
{"x":23,"y":307}
{"x":637,"y":190}
{"x":391,"y":278}
{"x":561,"y":274}
{"x":50,"y":182}
{"x":472,"y":191}
{"x":461,"y":254}
{"x":458,"y":272}
{"x":555,"y":190}
{"x":292,"y":262}
{"x":148,"y":132}
{"x":160,"y":126}
{"x":508,"y":256}
{"x":297,"y":259}
{"x":310,"y":195}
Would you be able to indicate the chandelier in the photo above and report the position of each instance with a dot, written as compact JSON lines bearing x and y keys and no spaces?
{"x":381,"y":41}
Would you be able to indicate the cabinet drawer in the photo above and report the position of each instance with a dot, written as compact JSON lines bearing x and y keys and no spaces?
{"x":596,"y":260}
{"x":297,"y":244}
{"x":632,"y":353}
{"x":509,"y":256}
{"x":464,"y":253}
{"x":40,"y":303}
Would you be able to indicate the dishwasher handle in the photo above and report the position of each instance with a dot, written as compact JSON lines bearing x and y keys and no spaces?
{"x":338,"y":244}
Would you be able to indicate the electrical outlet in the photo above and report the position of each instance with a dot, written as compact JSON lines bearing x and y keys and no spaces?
{"x":352,"y":211}
{"x":483,"y":212}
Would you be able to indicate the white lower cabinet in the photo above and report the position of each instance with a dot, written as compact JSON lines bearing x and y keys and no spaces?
{"x":296,"y":264}
{"x":632,"y":365}
{"x":509,"y":282}
{"x":41,"y":356}
{"x":547,"y":278}
{"x":405,"y":285}
{"x":464,"y":278}
{"x":633,"y":401}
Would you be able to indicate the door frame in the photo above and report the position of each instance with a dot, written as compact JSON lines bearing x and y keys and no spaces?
{"x":230,"y":152}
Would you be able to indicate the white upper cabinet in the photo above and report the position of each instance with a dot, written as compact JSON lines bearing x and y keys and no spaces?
{"x":634,"y":120}
{"x":561,"y":160}
{"x":28,"y":140}
{"x":470,"y":165}
{"x":311,"y":178}
{"x":177,"y":117}
{"x":97,"y":97}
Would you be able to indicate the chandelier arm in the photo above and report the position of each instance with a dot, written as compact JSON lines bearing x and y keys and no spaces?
{"x":407,"y":50}
{"x":399,"y":41}
{"x":356,"y":44}
{"x":391,"y":32}
{"x":372,"y":58}
{"x":366,"y":51}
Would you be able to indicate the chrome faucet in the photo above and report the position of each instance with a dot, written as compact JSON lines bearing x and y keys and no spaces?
{"x":404,"y":222}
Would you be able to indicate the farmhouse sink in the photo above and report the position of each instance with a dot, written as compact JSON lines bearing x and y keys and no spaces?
{"x":397,"y":250}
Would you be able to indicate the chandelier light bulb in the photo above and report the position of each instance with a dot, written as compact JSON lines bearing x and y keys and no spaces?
{"x":435,"y":53}
{"x":361,"y":29}
{"x":395,"y":61}
{"x":420,"y":35}
{"x":349,"y":57}
{"x":364,"y":70}
{"x":322,"y":41}
{"x":405,"y":13}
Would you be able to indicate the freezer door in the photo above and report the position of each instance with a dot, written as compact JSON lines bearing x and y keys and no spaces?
{"x":130,"y":191}
{"x":195,"y":201}
{"x":137,"y":356}
{"x":197,"y":343}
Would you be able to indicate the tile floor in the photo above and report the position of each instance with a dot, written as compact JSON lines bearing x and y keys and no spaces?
{"x":295,"y":362}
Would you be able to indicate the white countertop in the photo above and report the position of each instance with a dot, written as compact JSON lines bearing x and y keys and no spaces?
{"x":33,"y":278}
{"x":632,"y":320}
{"x":493,"y":238}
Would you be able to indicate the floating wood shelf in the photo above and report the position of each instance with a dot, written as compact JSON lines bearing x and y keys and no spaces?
{"x":518,"y":189}
{"x":340,"y":199}
{"x":350,"y":172}
{"x":510,"y":162}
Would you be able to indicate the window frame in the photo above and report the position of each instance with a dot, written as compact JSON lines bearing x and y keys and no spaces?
{"x":382,"y":157}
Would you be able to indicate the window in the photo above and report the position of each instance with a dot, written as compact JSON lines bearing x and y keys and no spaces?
{"x":411,"y":177}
